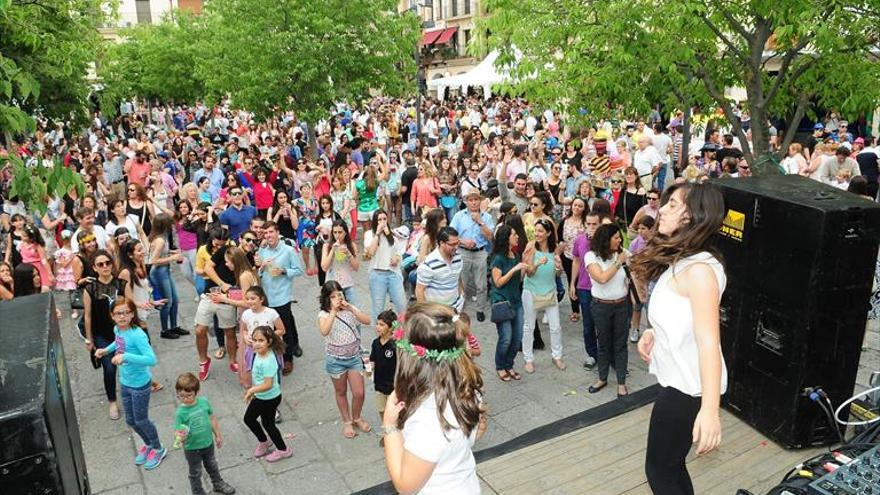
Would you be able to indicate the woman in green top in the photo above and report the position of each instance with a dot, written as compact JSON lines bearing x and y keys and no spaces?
{"x":507,"y":272}
{"x":366,"y":192}
{"x":539,"y":292}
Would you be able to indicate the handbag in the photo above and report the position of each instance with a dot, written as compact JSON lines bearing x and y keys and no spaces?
{"x":501,"y":312}
{"x":545,"y":301}
{"x":76,"y":301}
{"x":447,"y":201}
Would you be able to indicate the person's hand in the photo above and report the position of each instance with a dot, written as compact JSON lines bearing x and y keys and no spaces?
{"x":258,"y":260}
{"x":572,"y":293}
{"x":249,"y":394}
{"x":99,"y":353}
{"x":395,"y":260}
{"x":218,"y":440}
{"x":707,"y":431}
{"x":646,"y":345}
{"x":118,"y":359}
{"x":177,"y":256}
{"x":543,"y":261}
{"x":475,"y":216}
{"x":225,"y":287}
{"x":276,"y":272}
{"x":157,"y":303}
{"x":217,"y":298}
{"x":392,"y":410}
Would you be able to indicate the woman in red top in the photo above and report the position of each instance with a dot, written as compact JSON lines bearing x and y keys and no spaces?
{"x":264,"y":193}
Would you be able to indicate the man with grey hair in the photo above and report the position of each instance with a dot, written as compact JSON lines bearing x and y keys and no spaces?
{"x":647,"y":161}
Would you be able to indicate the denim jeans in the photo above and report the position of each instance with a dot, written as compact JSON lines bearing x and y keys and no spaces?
{"x":386,"y":283}
{"x":510,"y":335}
{"x":136,"y":404}
{"x":591,"y":345}
{"x":195,"y":459}
{"x":160,"y":278}
{"x":107,"y":367}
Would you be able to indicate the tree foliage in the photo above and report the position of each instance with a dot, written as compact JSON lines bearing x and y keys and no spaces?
{"x":788,"y":55}
{"x":34,"y":184}
{"x":46,"y":48}
{"x":270,"y":54}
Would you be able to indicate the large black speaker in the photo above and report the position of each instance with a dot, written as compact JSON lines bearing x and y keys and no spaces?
{"x":40,"y":447}
{"x":800,"y":258}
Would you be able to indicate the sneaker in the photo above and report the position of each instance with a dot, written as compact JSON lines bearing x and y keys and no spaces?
{"x":473,"y":298}
{"x":280,"y":454}
{"x":634,"y":335}
{"x":204,"y":369}
{"x":179,"y":331}
{"x":590,"y":363}
{"x":278,"y":417}
{"x":141,"y":456}
{"x":297,"y":351}
{"x":481,"y":316}
{"x":233,"y":367}
{"x":224,"y":487}
{"x":154,"y":458}
{"x":262,"y":449}
{"x":169,"y":335}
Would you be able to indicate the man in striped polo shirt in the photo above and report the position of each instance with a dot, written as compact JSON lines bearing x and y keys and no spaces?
{"x":439,"y":276}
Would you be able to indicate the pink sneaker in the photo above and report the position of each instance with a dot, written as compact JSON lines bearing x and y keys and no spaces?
{"x":262,"y":449}
{"x":233,"y":367}
{"x":280,"y":454}
{"x":204,"y":369}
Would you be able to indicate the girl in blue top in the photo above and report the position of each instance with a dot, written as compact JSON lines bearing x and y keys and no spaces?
{"x":264,"y":396}
{"x":134,"y":357}
{"x":539,"y":292}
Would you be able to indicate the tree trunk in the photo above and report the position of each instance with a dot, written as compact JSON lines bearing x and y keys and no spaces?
{"x":684,"y":155}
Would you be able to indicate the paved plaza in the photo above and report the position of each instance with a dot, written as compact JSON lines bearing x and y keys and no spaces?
{"x":323,"y":461}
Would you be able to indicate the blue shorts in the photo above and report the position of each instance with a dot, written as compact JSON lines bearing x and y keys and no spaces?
{"x":337,"y":366}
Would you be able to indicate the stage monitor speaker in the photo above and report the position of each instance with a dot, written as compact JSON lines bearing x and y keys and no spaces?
{"x":800,"y":258}
{"x":40,"y":451}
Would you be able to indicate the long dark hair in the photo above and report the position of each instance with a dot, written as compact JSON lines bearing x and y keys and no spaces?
{"x":516,"y":223}
{"x":327,"y":290}
{"x":551,"y":234}
{"x":23,"y":280}
{"x":161,"y":225}
{"x":276,"y":343}
{"x":501,"y":245}
{"x":339,"y":223}
{"x":705,"y":212}
{"x":127,"y":261}
{"x":132,"y":307}
{"x":374,"y":224}
{"x":454,"y":383}
{"x":432,"y":225}
{"x":601,"y":242}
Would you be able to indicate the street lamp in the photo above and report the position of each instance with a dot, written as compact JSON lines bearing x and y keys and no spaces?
{"x":415,"y":6}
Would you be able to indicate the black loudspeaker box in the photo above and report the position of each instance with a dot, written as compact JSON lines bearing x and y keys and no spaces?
{"x":800,"y":258}
{"x":40,"y":451}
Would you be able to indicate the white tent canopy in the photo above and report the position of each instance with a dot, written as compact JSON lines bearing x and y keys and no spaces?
{"x":483,"y":75}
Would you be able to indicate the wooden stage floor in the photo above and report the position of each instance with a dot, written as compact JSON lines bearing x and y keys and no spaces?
{"x":608,"y":459}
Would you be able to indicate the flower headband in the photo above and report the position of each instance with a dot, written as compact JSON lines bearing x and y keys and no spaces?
{"x":418,"y":351}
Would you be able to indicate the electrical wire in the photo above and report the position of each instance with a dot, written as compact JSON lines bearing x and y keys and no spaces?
{"x":848,"y":402}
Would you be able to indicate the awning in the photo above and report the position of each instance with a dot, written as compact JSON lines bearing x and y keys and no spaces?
{"x":429,"y":37}
{"x":446,"y":36}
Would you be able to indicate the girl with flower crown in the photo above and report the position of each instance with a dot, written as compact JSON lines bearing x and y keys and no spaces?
{"x":435,"y":413}
{"x":339,"y":322}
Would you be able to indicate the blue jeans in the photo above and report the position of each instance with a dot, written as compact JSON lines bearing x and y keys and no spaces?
{"x":407,"y":212}
{"x":510,"y":335}
{"x":390,"y":283}
{"x":107,"y":367}
{"x":590,"y":343}
{"x":136,"y":404}
{"x":160,"y":278}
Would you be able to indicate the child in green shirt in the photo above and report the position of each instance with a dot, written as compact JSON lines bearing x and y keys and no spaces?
{"x":196,"y":428}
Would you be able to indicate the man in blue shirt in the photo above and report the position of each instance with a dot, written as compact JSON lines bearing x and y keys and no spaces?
{"x":475,"y":233}
{"x":237,"y":217}
{"x":214,"y":175}
{"x":279,"y":264}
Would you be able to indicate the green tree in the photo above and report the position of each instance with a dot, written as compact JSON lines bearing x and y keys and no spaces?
{"x":46,"y":49}
{"x":605,"y":53}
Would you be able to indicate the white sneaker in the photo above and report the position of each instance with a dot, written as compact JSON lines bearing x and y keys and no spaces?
{"x":590,"y":363}
{"x":545,"y":320}
{"x":277,"y":416}
{"x":473,"y":298}
{"x":634,"y":335}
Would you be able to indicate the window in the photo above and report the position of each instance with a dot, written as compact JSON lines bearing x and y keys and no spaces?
{"x":467,"y":41}
{"x":454,"y":8}
{"x":439,"y":9}
{"x":142,"y":7}
{"x":455,"y":46}
{"x":467,"y":7}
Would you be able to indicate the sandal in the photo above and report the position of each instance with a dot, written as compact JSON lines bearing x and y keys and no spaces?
{"x":362,"y":425}
{"x":514,"y":375}
{"x":504,"y":375}
{"x":348,"y":430}
{"x":220,"y":353}
{"x":575,"y":317}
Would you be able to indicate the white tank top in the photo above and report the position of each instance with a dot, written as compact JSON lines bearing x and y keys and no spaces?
{"x":675,"y":357}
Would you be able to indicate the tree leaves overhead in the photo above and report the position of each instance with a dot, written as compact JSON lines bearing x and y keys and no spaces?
{"x":605,"y":54}
{"x":271,"y":54}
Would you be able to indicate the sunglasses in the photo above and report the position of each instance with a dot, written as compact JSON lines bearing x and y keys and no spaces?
{"x":535,"y":204}
{"x":249,"y":240}
{"x":617,"y":181}
{"x":103,"y":264}
{"x":235,"y":193}
{"x":557,"y":154}
{"x":652,"y":199}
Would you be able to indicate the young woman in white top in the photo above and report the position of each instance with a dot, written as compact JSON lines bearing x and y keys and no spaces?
{"x":610,"y":306}
{"x":684,"y":347}
{"x":435,"y":413}
{"x":385,"y":276}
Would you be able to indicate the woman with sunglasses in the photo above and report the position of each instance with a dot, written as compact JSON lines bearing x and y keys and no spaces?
{"x":98,"y":297}
{"x":651,"y":209}
{"x":140,"y":206}
{"x":539,"y":294}
{"x":540,"y":204}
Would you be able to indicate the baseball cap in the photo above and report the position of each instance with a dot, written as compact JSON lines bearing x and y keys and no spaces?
{"x":818,"y":127}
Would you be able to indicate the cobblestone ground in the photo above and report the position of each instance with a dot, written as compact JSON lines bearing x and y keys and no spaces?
{"x":324,"y":462}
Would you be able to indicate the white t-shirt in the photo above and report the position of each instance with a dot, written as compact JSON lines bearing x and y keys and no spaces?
{"x":644,"y":160}
{"x":675,"y":359}
{"x":100,"y":236}
{"x":455,"y":469}
{"x":661,"y":144}
{"x":613,"y":289}
{"x":381,"y":259}
{"x":129,"y":224}
{"x":252,"y":320}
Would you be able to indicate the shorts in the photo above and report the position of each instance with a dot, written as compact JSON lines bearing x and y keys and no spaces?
{"x":337,"y":366}
{"x":381,"y":400}
{"x":365,"y":216}
{"x":208,"y":309}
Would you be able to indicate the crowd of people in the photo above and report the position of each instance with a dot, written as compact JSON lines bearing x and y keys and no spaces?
{"x":489,"y":209}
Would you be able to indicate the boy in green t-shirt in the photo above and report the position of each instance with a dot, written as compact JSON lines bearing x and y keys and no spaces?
{"x":196,"y":428}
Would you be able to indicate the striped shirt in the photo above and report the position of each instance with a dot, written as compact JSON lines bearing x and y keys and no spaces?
{"x":441,"y":279}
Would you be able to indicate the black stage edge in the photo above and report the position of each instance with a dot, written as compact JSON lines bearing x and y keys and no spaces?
{"x":574,"y":422}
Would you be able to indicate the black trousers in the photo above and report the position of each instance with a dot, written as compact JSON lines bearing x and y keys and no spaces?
{"x":291,"y":337}
{"x":612,"y":325}
{"x":567,"y":265}
{"x":669,"y":440}
{"x":195,"y":459}
{"x":265,"y":411}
